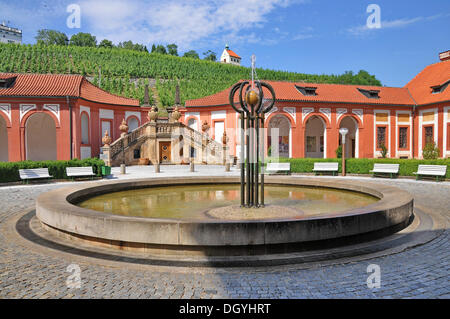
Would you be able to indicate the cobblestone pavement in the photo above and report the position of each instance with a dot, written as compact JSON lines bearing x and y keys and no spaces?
{"x":419,"y":272}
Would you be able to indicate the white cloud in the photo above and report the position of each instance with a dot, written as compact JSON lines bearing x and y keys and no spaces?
{"x":399,"y":23}
{"x":181,"y":22}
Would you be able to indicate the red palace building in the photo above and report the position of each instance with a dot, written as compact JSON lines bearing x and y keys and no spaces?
{"x":49,"y":117}
{"x":309,"y":117}
{"x":59,"y":117}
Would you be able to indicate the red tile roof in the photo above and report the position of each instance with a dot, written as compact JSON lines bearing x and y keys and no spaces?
{"x":287,"y":91}
{"x":234,"y":55}
{"x":433,"y":75}
{"x":60,"y":85}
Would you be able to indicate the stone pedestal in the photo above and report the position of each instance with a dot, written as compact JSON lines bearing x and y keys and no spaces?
{"x":106,"y":156}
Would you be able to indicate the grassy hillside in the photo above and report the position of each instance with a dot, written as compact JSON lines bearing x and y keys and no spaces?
{"x":126,"y":72}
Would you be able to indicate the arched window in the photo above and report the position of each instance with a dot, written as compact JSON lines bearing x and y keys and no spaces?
{"x":133,"y":124}
{"x":84,"y":129}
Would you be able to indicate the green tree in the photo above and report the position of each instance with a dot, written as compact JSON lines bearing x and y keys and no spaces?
{"x":153,"y":47}
{"x":83,"y":40}
{"x":431,"y":151}
{"x":106,"y":44}
{"x":49,"y":37}
{"x":210,"y":55}
{"x":160,"y":49}
{"x":129,"y":45}
{"x":172,"y":49}
{"x":191,"y":54}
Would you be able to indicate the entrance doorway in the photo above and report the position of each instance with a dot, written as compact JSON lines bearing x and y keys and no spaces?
{"x":315,"y":139}
{"x":281,"y":123}
{"x":351,"y":139}
{"x":165,"y":152}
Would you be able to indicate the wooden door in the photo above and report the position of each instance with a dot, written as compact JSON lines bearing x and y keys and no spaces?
{"x":164,"y":152}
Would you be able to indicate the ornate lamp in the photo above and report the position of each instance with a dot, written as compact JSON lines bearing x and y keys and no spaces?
{"x":343,"y":132}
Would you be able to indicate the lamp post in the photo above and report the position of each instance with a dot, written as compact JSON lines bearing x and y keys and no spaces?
{"x":343,"y":132}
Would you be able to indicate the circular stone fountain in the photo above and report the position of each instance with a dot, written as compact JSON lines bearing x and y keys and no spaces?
{"x":200,"y":218}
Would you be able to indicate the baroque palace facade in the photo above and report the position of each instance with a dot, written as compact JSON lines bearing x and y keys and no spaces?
{"x":59,"y":117}
{"x":310,"y":115}
{"x":49,"y":117}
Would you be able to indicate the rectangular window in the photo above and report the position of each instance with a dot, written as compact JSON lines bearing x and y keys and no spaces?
{"x":429,"y":136}
{"x":403,"y":137}
{"x":219,"y":128}
{"x":381,"y":136}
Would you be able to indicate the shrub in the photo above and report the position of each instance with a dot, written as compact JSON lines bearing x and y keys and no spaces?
{"x":339,"y":152}
{"x":365,"y":165}
{"x":431,"y":151}
{"x":384,"y":151}
{"x":9,"y":171}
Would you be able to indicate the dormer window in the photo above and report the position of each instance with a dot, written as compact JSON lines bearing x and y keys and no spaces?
{"x":440,"y":88}
{"x":307,"y":90}
{"x":7,"y":83}
{"x":371,"y":94}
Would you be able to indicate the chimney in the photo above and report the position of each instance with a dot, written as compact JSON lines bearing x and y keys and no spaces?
{"x":444,"y":56}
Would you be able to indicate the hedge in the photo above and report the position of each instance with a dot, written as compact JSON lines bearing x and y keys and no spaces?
{"x":9,"y":171}
{"x":365,"y":165}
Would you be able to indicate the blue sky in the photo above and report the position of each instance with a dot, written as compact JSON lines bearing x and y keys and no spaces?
{"x":308,"y":36}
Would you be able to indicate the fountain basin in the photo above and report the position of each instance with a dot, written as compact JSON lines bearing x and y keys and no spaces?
{"x":58,"y":211}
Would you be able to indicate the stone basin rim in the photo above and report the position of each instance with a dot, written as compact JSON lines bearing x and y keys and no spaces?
{"x":56,"y":209}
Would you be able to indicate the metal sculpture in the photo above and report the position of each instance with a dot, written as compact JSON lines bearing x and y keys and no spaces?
{"x":252,"y":115}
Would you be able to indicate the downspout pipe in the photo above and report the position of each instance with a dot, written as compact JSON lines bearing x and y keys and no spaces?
{"x":413,"y":125}
{"x":71,"y":125}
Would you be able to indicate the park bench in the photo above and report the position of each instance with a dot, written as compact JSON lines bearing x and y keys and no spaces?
{"x":35,"y":173}
{"x":391,"y":169}
{"x":278,"y":167}
{"x":321,"y":167}
{"x":80,"y":172}
{"x":431,"y":170}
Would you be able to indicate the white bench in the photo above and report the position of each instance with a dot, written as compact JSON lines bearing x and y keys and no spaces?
{"x":324,"y":167}
{"x":431,"y":170}
{"x":391,"y":169}
{"x":80,"y":171}
{"x":35,"y":173}
{"x":278,"y":167}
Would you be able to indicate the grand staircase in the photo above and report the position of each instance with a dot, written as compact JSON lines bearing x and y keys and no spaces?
{"x":143,"y":143}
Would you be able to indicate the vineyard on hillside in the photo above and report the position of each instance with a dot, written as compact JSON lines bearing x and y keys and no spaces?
{"x":126,"y":72}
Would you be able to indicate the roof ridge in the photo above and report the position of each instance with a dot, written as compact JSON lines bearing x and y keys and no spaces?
{"x":116,"y":95}
{"x":318,"y":83}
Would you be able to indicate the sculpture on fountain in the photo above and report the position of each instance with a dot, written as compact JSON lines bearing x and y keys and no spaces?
{"x":252,"y":109}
